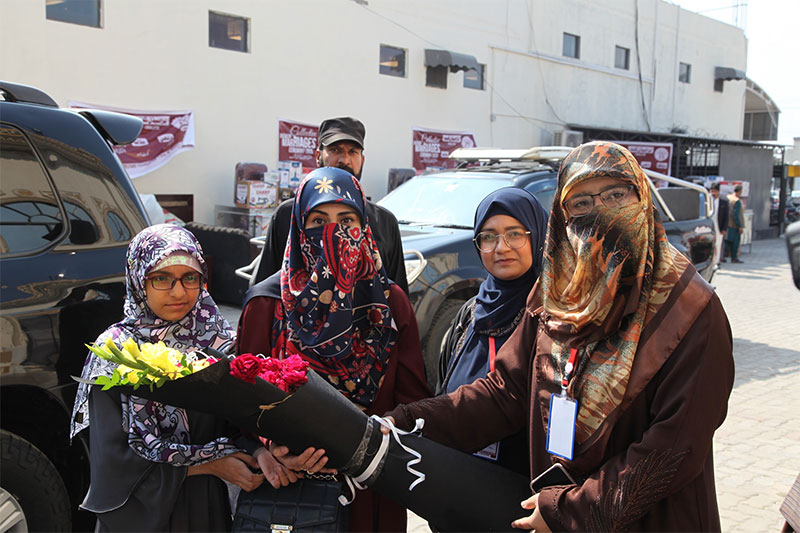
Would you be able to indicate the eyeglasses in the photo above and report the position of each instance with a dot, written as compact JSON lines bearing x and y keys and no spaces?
{"x":487,"y":241}
{"x":162,"y":282}
{"x":583,"y":204}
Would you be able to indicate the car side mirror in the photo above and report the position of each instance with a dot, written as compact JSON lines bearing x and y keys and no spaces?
{"x":793,"y":243}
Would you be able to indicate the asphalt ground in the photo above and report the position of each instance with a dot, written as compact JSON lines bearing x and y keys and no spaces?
{"x":757,"y":449}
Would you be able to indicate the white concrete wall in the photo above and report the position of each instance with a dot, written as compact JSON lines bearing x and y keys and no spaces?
{"x":314,"y":59}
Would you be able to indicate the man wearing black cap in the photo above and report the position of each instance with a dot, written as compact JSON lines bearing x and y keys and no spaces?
{"x":340,"y":144}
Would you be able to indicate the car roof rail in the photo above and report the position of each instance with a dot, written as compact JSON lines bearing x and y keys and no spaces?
{"x":14,"y":92}
{"x":537,"y":153}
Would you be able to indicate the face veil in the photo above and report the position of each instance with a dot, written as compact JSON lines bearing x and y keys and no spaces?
{"x":605,"y":274}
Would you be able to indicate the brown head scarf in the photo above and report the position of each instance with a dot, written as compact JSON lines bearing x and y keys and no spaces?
{"x":605,"y":274}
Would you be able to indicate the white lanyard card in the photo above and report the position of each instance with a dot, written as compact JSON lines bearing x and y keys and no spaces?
{"x":561,"y":426}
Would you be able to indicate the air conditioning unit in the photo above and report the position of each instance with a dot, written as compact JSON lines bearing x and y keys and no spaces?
{"x":568,"y":138}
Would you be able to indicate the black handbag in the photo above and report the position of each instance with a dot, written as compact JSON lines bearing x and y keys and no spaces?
{"x":308,"y":505}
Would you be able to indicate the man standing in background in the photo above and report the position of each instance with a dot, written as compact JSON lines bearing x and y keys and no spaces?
{"x":340,"y":144}
{"x":722,"y":209}
{"x":735,"y":225}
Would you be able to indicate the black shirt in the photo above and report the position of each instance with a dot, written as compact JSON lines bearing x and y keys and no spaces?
{"x":384,"y":229}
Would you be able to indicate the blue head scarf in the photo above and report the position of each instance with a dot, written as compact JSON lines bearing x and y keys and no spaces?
{"x":334,"y":291}
{"x":499,"y":303}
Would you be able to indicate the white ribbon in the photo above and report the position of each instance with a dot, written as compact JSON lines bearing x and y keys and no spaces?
{"x":356,"y":483}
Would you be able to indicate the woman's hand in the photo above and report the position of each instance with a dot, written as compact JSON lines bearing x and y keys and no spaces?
{"x":233,"y":469}
{"x":274,"y":472}
{"x":310,"y":461}
{"x":385,"y":429}
{"x":534,"y":522}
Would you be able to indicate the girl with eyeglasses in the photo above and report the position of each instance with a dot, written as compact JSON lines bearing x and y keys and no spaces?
{"x":510,"y":225}
{"x":619,"y":371}
{"x":157,"y":467}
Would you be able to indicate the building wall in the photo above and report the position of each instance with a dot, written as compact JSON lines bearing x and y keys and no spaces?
{"x":313,"y":59}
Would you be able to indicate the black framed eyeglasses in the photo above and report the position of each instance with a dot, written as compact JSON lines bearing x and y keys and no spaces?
{"x":486,"y":241}
{"x":583,"y":204}
{"x":163,"y":282}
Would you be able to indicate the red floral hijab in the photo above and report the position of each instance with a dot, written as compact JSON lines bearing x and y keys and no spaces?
{"x":604,"y":276}
{"x":334,"y":291}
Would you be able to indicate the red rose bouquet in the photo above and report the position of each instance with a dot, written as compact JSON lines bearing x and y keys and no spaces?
{"x":283,"y":401}
{"x":287,"y":374}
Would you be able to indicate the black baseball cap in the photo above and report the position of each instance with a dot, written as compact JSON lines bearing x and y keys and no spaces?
{"x":341,"y":129}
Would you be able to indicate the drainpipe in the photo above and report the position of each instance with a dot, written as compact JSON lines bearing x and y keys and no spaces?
{"x":677,"y":62}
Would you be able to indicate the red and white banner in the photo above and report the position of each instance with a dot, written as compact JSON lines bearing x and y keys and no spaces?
{"x":164,"y":134}
{"x":297,"y":142}
{"x":651,"y":156}
{"x":432,"y":148}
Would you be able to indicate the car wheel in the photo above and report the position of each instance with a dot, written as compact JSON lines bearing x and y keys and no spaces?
{"x":432,"y":343}
{"x":34,"y":497}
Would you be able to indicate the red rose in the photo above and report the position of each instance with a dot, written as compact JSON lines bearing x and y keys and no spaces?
{"x":246,"y":367}
{"x":295,"y":363}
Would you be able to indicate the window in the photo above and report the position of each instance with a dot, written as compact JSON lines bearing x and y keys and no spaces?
{"x":393,"y":61}
{"x":622,"y":57}
{"x":685,"y":73}
{"x":473,"y":79}
{"x":30,"y":218}
{"x":436,"y":77}
{"x":572,"y":46}
{"x":84,"y":12}
{"x":227,"y":31}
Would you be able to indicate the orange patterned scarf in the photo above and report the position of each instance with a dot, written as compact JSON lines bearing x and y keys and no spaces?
{"x":605,"y":275}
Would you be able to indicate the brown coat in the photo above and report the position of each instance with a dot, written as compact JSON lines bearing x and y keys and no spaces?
{"x":650,"y":464}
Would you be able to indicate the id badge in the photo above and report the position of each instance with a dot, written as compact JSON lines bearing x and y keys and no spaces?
{"x":561,"y":426}
{"x":491,"y":452}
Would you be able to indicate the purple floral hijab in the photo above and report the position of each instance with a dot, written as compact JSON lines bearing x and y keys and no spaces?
{"x":203,"y":327}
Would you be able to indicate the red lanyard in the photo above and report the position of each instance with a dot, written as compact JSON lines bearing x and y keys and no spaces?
{"x":573,"y":353}
{"x":492,"y":354}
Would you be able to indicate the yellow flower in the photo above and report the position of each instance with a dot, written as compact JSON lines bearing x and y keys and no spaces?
{"x":130,"y":374}
{"x":324,"y":186}
{"x":160,"y":357}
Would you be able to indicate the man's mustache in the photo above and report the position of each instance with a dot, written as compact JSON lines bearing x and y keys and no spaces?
{"x":348,"y":169}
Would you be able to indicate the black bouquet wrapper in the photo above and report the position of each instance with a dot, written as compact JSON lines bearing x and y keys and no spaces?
{"x":460,"y":492}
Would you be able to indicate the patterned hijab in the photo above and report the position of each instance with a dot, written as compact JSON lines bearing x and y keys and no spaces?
{"x":203,"y":327}
{"x":334,"y":292}
{"x":605,"y":275}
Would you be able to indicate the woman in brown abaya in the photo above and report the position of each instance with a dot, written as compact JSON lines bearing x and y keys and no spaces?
{"x":621,"y":324}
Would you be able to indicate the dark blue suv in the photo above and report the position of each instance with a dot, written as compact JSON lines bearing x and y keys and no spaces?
{"x":436,"y":214}
{"x":67,"y":213}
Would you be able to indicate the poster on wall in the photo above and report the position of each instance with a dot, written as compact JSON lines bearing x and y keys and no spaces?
{"x":297,"y":142}
{"x":164,"y":135}
{"x":431,"y":148}
{"x":651,"y":156}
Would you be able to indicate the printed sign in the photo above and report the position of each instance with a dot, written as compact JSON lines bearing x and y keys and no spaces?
{"x":164,"y":134}
{"x":432,"y":148}
{"x":297,"y":142}
{"x":651,"y":156}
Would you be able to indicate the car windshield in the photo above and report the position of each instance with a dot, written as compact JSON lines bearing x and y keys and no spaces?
{"x":440,"y":200}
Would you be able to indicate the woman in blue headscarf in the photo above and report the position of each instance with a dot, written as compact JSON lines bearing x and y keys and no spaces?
{"x":510,"y":226}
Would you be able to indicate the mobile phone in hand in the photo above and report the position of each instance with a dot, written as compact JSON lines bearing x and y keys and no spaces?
{"x":553,"y":476}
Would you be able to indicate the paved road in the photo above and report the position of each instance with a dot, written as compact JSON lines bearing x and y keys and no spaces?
{"x":757,"y":449}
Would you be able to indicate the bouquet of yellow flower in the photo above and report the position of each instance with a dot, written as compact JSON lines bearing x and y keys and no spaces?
{"x":148,"y":364}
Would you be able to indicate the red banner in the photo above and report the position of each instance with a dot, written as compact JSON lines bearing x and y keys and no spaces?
{"x":432,"y":148}
{"x":297,"y":142}
{"x":651,"y":156}
{"x":164,"y":134}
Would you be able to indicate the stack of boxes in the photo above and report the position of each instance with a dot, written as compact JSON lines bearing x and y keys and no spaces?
{"x":257,"y":191}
